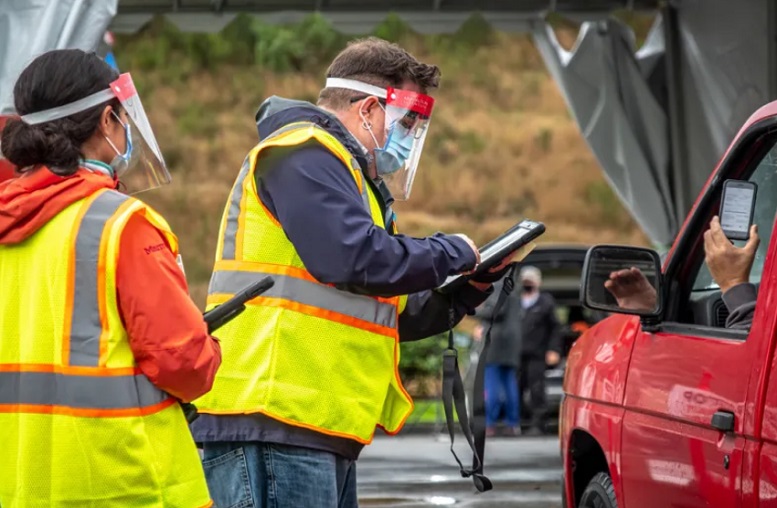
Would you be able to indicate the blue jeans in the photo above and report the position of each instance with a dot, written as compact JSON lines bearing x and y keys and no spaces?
{"x":265,"y":475}
{"x":501,"y":383}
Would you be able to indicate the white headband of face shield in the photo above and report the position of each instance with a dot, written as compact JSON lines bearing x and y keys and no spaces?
{"x":78,"y":106}
{"x":357,"y":86}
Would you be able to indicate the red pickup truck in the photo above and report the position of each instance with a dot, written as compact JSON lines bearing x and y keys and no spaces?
{"x":668,"y":407}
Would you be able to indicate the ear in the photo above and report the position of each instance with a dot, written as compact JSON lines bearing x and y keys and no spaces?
{"x":369,"y":107}
{"x":106,"y":120}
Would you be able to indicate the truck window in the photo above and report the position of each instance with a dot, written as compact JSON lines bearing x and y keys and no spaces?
{"x":765,"y":176}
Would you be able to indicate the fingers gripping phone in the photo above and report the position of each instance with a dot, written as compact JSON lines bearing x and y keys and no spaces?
{"x":737,"y":207}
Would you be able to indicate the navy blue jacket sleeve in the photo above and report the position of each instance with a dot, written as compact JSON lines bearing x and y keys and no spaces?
{"x":740,"y":301}
{"x":314,"y":197}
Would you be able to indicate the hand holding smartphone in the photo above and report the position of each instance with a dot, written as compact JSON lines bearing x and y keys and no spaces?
{"x":737,"y":207}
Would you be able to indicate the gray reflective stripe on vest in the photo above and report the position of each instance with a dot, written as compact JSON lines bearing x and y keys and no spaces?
{"x":229,"y":250}
{"x":85,"y":329}
{"x":233,"y":214}
{"x":309,"y":293}
{"x":79,"y":392}
{"x":365,"y":193}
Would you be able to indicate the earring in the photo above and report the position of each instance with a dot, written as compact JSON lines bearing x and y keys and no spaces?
{"x":367,"y":126}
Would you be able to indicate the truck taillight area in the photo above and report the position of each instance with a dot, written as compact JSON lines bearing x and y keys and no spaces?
{"x":6,"y":168}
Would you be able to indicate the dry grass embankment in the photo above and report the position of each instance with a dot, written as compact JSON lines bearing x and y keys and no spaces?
{"x":502,"y":145}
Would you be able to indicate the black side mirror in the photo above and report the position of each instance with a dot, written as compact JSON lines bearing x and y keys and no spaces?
{"x":625,"y":280}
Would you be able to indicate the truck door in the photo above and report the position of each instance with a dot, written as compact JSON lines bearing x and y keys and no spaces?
{"x":760,"y":484}
{"x":760,"y":468}
{"x":690,"y":375}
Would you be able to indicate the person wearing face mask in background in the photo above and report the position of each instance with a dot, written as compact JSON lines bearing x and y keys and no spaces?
{"x":99,"y":339}
{"x":310,"y":367}
{"x":541,"y":342}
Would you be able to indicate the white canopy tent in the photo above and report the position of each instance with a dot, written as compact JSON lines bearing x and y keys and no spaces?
{"x":31,"y":27}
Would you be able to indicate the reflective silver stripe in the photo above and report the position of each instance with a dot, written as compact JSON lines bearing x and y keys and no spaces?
{"x":85,"y":329}
{"x":79,"y":392}
{"x":229,"y":250}
{"x":365,"y":193}
{"x":366,"y":199}
{"x":309,"y":293}
{"x":230,"y":232}
{"x":233,"y":215}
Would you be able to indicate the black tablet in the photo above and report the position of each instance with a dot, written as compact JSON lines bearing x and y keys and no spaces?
{"x":221,"y":315}
{"x":492,"y":253}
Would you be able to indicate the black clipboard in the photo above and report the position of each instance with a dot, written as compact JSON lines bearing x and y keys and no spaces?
{"x":492,"y":253}
{"x":223,"y":314}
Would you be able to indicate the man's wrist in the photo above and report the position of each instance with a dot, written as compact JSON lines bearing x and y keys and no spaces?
{"x":481,"y":286}
{"x":726,"y":285}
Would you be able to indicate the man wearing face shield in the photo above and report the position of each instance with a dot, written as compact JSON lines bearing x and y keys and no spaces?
{"x":98,"y":336}
{"x":310,"y":367}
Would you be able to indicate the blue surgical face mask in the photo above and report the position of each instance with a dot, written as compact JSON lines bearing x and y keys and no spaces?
{"x":395,"y":153}
{"x":120,"y":163}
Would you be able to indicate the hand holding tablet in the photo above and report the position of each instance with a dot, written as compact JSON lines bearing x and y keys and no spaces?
{"x":514,"y":243}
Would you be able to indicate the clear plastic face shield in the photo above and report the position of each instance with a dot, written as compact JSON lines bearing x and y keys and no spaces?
{"x":407,"y":124}
{"x":141,"y":166}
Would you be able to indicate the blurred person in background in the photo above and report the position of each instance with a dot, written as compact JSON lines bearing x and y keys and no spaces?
{"x":98,"y":335}
{"x":502,"y":360}
{"x":541,"y":341}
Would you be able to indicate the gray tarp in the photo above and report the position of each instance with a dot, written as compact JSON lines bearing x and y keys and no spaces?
{"x":623,"y":122}
{"x":725,"y":76}
{"x":659,"y":119}
{"x":31,"y":27}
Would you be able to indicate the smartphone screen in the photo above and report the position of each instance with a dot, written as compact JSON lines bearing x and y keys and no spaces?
{"x":737,"y":208}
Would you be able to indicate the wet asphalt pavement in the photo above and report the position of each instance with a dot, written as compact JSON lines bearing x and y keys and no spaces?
{"x":419,"y":471}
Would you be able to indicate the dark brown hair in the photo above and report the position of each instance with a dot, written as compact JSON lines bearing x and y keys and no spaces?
{"x":54,"y":79}
{"x":377,"y":62}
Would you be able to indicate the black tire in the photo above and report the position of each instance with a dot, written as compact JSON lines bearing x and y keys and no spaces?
{"x":599,"y":493}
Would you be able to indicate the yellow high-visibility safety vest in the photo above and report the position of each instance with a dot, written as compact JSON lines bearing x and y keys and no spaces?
{"x":304,"y":353}
{"x":81,"y":426}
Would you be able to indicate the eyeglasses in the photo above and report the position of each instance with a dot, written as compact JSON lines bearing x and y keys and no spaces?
{"x":362,"y":97}
{"x":409,"y":120}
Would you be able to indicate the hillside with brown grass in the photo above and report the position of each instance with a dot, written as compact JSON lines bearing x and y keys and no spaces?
{"x":501,"y":146}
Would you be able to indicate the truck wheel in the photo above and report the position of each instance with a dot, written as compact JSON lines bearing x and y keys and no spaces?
{"x":599,"y":493}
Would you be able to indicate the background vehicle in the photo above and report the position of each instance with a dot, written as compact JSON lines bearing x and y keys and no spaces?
{"x":673,"y":409}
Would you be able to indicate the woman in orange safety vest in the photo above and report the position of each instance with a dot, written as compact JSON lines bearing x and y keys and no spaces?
{"x":99,"y":339}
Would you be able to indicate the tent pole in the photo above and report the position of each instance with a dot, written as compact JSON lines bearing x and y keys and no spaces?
{"x":676,"y":113}
{"x":771,"y":48}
